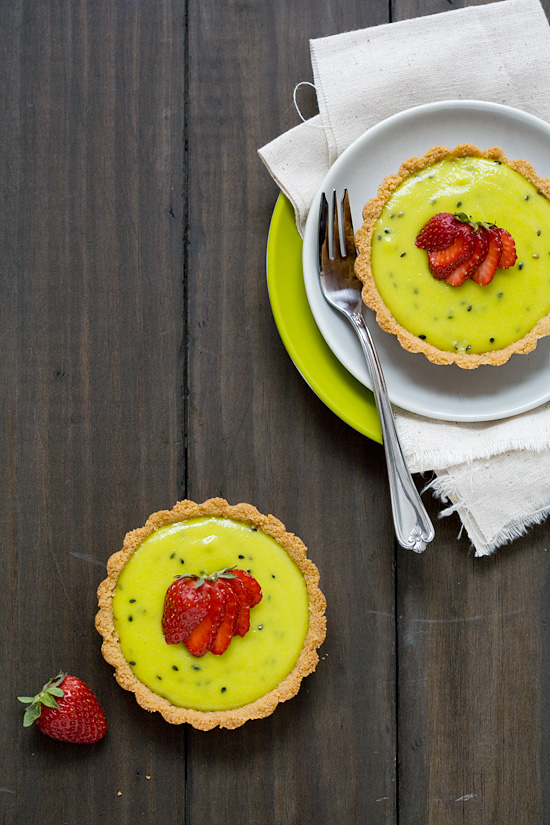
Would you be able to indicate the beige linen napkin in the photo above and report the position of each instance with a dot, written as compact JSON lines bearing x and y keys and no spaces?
{"x":492,"y":474}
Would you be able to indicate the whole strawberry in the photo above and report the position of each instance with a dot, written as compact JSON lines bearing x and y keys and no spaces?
{"x":66,"y":709}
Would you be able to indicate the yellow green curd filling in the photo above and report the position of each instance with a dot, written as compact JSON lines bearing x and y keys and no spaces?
{"x":252,"y":665}
{"x":469,"y":318}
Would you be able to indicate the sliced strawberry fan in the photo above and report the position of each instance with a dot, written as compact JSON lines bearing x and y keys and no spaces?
{"x":205,"y":612}
{"x":459,"y":248}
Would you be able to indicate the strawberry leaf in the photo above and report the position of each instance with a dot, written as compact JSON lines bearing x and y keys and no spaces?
{"x":31,"y":715}
{"x":463,"y":218}
{"x":48,"y":700}
{"x":227,"y":573}
{"x":46,"y":697}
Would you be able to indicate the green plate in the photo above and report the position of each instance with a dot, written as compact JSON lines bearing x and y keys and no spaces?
{"x":332,"y":383}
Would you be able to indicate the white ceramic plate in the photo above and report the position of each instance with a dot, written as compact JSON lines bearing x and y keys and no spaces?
{"x":443,"y":392}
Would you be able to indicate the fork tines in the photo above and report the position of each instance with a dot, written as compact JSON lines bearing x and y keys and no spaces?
{"x":336,"y":214}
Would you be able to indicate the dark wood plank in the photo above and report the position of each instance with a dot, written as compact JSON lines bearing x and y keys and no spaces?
{"x":257,"y":433}
{"x":91,"y":252}
{"x":9,"y":508}
{"x":472,"y":718}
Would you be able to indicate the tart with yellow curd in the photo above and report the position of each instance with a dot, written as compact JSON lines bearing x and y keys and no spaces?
{"x":211,"y":614}
{"x":454,"y":256}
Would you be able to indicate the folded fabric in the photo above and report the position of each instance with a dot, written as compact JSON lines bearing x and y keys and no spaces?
{"x":489,"y":473}
{"x":492,"y":474}
{"x":499,"y":52}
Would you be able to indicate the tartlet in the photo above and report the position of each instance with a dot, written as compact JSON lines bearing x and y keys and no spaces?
{"x":469,"y":325}
{"x":256,"y":672}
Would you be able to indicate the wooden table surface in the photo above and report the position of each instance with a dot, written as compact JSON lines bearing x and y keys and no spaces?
{"x":141,"y":365}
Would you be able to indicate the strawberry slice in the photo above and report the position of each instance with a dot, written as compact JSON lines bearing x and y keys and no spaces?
{"x":438,"y":233}
{"x":484,"y":273}
{"x":443,"y":261}
{"x":242,"y":625}
{"x":227,"y":627}
{"x":185,"y":607}
{"x":201,"y":639}
{"x":251,"y":586}
{"x":464,"y":271}
{"x":508,"y":254}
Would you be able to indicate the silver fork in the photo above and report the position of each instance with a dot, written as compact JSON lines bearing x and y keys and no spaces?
{"x":342,"y":290}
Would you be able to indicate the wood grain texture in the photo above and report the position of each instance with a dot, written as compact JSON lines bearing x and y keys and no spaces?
{"x":91,"y":263}
{"x":470,"y":677}
{"x":472,"y":656}
{"x":141,"y":363}
{"x":254,"y":434}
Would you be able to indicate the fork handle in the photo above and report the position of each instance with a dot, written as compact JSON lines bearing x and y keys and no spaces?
{"x":413,"y":527}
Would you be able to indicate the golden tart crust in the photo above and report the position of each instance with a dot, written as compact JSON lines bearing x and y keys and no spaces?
{"x":228,"y":718}
{"x":371,"y":296}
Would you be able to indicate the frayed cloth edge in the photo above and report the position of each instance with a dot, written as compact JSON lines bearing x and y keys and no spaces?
{"x":422,"y":460}
{"x":443,"y":488}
